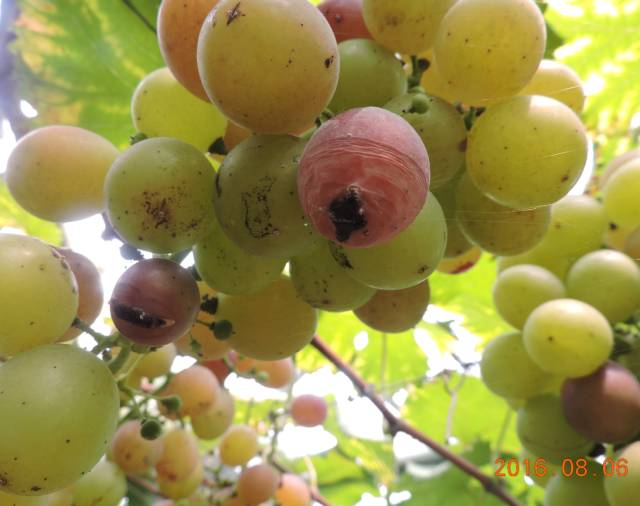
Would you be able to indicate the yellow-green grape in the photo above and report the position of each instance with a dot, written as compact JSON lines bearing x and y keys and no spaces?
{"x":543,"y":430}
{"x":525,"y":174}
{"x":57,"y":172}
{"x":59,"y":409}
{"x":7,"y":499}
{"x":39,"y":296}
{"x":269,"y":65}
{"x":522,"y":288}
{"x":179,"y":455}
{"x":197,"y":387}
{"x":405,"y":26}
{"x":623,"y":487}
{"x":442,"y":130}
{"x":585,"y":487}
{"x":159,"y":195}
{"x":609,"y":281}
{"x":257,"y":484}
{"x":156,"y":363}
{"x":557,"y":80}
{"x":271,"y":324}
{"x":615,"y":164}
{"x":508,"y":371}
{"x":256,"y":198}
{"x":183,"y":488}
{"x":366,"y":61}
{"x":457,"y":242}
{"x":104,"y":485}
{"x":461,"y":263}
{"x":490,"y":49}
{"x":551,"y":469}
{"x":433,"y":82}
{"x":62,"y":497}
{"x":161,"y":107}
{"x":213,"y":422}
{"x":323,"y":284}
{"x":292,"y":491}
{"x":632,"y":244}
{"x":404,"y":261}
{"x":568,"y":337}
{"x":228,"y":268}
{"x":556,"y":264}
{"x":494,"y":227}
{"x":133,"y":453}
{"x":616,"y":236}
{"x":395,"y":311}
{"x":238,"y":445}
{"x":620,"y":195}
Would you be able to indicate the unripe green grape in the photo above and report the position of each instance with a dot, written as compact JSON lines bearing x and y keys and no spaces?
{"x":183,"y":488}
{"x":556,"y":80}
{"x":615,"y":164}
{"x":552,"y":469}
{"x":104,"y":485}
{"x":228,"y":268}
{"x":404,"y":261}
{"x":271,"y":324}
{"x":39,"y":298}
{"x":583,"y":490}
{"x":133,"y":453}
{"x":457,"y":242}
{"x":57,"y":172}
{"x":620,"y":195}
{"x":59,"y":409}
{"x":292,"y":491}
{"x":159,"y":195}
{"x":156,"y":363}
{"x":543,"y":430}
{"x":213,"y":422}
{"x":257,"y":200}
{"x":632,"y":244}
{"x":323,"y":284}
{"x":269,"y":65}
{"x":521,"y":289}
{"x":494,"y":227}
{"x":540,"y":171}
{"x":508,"y":371}
{"x":179,"y":455}
{"x":238,"y":445}
{"x":568,"y":338}
{"x":197,"y":387}
{"x":363,"y":60}
{"x":257,"y":484}
{"x":161,"y":107}
{"x":623,"y":489}
{"x":558,"y":265}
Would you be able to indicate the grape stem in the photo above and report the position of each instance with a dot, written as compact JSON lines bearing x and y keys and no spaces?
{"x":398,"y":425}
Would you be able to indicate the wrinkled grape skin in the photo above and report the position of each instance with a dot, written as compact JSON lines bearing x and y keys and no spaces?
{"x":604,"y":406}
{"x":488,"y":50}
{"x":269,"y":65}
{"x":155,"y":302}
{"x":406,"y":260}
{"x":363,"y":60}
{"x":293,"y":491}
{"x":620,"y":195}
{"x":624,"y":490}
{"x":257,"y":201}
{"x":587,"y":490}
{"x":178,"y":26}
{"x":39,"y":298}
{"x":159,"y":195}
{"x":257,"y":484}
{"x":213,"y":422}
{"x":395,"y":311}
{"x":60,"y":410}
{"x":238,"y":445}
{"x":345,"y":18}
{"x":558,"y":81}
{"x":104,"y":485}
{"x":527,"y":151}
{"x":57,"y":172}
{"x":364,"y":177}
{"x":457,"y":242}
{"x":309,"y":410}
{"x":133,"y":453}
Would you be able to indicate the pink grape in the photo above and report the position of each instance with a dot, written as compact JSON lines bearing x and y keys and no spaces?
{"x":345,"y":18}
{"x":309,"y":410}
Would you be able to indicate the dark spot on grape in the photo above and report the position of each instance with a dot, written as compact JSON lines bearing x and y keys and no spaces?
{"x":550,"y":339}
{"x":462,"y":146}
{"x":613,"y":226}
{"x":565,"y":178}
{"x":329,"y":61}
{"x":257,"y":214}
{"x":234,"y":13}
{"x":341,"y":258}
{"x":67,"y":441}
{"x":159,"y":211}
{"x":4,"y":481}
{"x":35,"y":488}
{"x":218,"y":187}
{"x":138,"y":317}
{"x":346,"y":214}
{"x":423,"y":269}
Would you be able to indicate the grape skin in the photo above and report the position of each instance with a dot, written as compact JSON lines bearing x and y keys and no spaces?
{"x":197,"y":387}
{"x":558,"y":81}
{"x":213,"y":422}
{"x":133,"y":453}
{"x":615,"y":164}
{"x":157,"y":362}
{"x":345,"y":18}
{"x":179,"y":455}
{"x":238,"y":445}
{"x":257,"y":484}
{"x":105,"y":485}
{"x":179,"y":489}
{"x":457,"y":242}
{"x":620,"y":195}
{"x":292,"y":491}
{"x":462,"y":263}
{"x":309,"y":410}
{"x":624,"y":490}
{"x":585,"y":490}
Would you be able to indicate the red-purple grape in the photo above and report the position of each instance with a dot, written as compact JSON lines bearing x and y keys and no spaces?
{"x":345,"y":18}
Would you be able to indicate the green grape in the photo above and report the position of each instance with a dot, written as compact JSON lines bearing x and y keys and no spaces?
{"x":584,"y":489}
{"x":270,"y":324}
{"x":39,"y":296}
{"x":104,"y":485}
{"x":551,"y":469}
{"x":157,"y":362}
{"x":508,"y":371}
{"x":623,"y":488}
{"x":521,"y":289}
{"x":543,"y":430}
{"x":404,"y":261}
{"x":632,"y":244}
{"x":526,"y":151}
{"x":609,"y":281}
{"x":257,"y":200}
{"x":490,"y":49}
{"x":62,"y":497}
{"x":557,"y":80}
{"x":7,"y":499}
{"x":133,"y":453}
{"x":366,"y":61}
{"x":496,"y":228}
{"x":442,"y":130}
{"x":292,"y":491}
{"x":161,"y":107}
{"x":181,"y":489}
{"x":213,"y":422}
{"x":179,"y":455}
{"x":395,"y":311}
{"x":269,"y":65}
{"x":556,"y":264}
{"x":238,"y":445}
{"x":159,"y":195}
{"x":257,"y":484}
{"x":197,"y":387}
{"x":568,"y":337}
{"x":323,"y":284}
{"x":457,"y":242}
{"x":57,"y":172}
{"x":405,"y":26}
{"x":59,"y":409}
{"x":620,"y":195}
{"x":228,"y":268}
{"x":616,"y":163}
